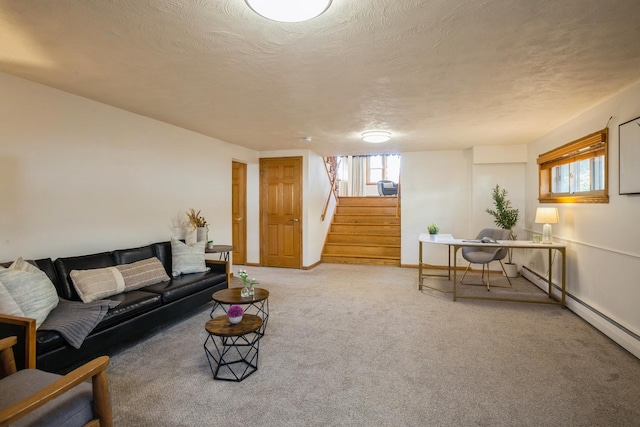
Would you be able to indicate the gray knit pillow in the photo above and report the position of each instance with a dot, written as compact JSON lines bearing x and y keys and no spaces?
{"x":32,"y":292}
{"x":187,"y":259}
{"x":8,"y":304}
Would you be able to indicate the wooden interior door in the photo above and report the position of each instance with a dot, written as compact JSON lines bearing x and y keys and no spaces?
{"x":239,"y":212}
{"x":281,"y":212}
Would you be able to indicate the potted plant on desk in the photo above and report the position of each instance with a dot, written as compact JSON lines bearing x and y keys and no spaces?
{"x":433,"y":231}
{"x":505,"y":217}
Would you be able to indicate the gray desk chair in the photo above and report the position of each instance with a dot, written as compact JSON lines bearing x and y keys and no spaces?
{"x":484,"y":256}
{"x":387,"y":188}
{"x":34,"y":397}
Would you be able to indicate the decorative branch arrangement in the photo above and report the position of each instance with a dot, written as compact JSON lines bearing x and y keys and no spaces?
{"x":195,"y":219}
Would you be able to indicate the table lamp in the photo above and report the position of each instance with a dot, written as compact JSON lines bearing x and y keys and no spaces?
{"x":546,"y":216}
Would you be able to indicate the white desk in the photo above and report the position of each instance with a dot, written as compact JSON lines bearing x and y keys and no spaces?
{"x":456,"y":244}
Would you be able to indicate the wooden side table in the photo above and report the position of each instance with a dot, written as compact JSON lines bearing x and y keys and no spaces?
{"x":232,"y":350}
{"x":258,"y":304}
{"x":223,"y":250}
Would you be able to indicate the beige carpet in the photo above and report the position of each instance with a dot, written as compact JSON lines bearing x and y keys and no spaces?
{"x":361,"y":346}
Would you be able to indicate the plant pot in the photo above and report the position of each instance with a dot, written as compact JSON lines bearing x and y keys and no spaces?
{"x":433,"y":237}
{"x":511,"y":269}
{"x":235,"y":320}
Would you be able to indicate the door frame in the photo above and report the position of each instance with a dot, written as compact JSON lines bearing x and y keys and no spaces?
{"x":263,"y":203}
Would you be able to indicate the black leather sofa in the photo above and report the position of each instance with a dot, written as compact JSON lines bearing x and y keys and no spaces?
{"x":139,"y":312}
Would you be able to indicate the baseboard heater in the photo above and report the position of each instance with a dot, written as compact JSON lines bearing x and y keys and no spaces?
{"x":625,"y":337}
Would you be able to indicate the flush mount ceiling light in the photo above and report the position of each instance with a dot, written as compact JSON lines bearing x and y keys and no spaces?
{"x":289,"y":10}
{"x":376,"y":136}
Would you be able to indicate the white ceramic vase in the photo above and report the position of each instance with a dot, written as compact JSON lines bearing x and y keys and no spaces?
{"x":202,"y":234}
{"x":511,"y":269}
{"x":235,"y":320}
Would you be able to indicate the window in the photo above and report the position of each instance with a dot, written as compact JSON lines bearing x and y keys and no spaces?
{"x":575,"y":172}
{"x":383,"y":167}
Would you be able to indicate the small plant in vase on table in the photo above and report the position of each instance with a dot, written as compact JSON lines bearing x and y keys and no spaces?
{"x":248,"y":285}
{"x":433,"y":230}
{"x":235,"y":313}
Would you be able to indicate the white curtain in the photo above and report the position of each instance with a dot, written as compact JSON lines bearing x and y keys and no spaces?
{"x":358,"y":176}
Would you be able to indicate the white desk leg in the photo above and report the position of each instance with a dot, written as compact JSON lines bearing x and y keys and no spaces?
{"x":455,"y":271}
{"x":420,"y":266}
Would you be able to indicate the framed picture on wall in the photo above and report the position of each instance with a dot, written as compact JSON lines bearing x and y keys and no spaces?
{"x":629,"y":149}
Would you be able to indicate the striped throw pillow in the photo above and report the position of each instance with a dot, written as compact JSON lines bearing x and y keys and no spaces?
{"x":142,"y":273}
{"x":97,"y":283}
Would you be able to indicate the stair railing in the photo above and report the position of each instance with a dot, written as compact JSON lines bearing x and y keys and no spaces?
{"x":331,"y":165}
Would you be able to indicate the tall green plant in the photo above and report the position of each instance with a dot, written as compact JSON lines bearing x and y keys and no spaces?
{"x":504,"y":215}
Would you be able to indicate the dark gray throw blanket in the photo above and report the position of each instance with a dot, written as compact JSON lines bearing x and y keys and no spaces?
{"x":75,"y":320}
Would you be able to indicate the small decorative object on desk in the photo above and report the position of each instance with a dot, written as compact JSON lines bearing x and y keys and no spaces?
{"x":210,"y":244}
{"x":433,"y":229}
{"x":199,"y":224}
{"x":235,"y":313}
{"x":248,"y":285}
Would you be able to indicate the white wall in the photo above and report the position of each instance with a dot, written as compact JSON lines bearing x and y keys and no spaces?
{"x":603,"y":240}
{"x":435,"y":188}
{"x":453,"y":190}
{"x":79,"y":177}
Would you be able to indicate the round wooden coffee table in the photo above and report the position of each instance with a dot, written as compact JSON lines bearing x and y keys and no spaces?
{"x":257,"y":304}
{"x":232,"y":350}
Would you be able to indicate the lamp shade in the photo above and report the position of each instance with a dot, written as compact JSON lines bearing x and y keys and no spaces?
{"x":376,"y":136}
{"x":547,"y":216}
{"x":289,"y":10}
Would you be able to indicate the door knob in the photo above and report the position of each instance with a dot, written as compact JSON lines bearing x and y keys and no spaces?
{"x":239,"y":218}
{"x":295,"y":220}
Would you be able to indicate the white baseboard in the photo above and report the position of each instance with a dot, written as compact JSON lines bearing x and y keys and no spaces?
{"x":625,"y":338}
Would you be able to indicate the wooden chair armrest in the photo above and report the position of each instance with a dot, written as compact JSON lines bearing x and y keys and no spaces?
{"x":29,"y":326}
{"x":8,"y":342}
{"x":7,"y":362}
{"x":95,"y":369}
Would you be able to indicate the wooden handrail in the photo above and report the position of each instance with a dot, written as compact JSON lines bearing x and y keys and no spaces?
{"x":331,"y":166}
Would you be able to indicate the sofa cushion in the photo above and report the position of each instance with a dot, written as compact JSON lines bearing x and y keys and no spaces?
{"x":48,"y":340}
{"x":142,"y":273}
{"x":162,"y":251}
{"x":131,"y":304}
{"x":181,"y":286}
{"x":187,"y":259}
{"x":127,"y":256}
{"x":33,"y":292}
{"x":97,"y":283}
{"x":85,"y":262}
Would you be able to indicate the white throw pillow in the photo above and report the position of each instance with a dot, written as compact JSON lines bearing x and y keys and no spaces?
{"x":33,"y":292}
{"x":187,"y":259}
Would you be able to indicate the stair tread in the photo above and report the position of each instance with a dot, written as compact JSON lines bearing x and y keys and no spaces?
{"x":385,"y":245}
{"x":361,"y":256}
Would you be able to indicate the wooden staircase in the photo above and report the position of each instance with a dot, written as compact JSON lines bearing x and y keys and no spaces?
{"x":365,"y":230}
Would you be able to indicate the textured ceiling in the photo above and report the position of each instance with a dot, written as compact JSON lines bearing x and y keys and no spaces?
{"x":438,"y":74}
